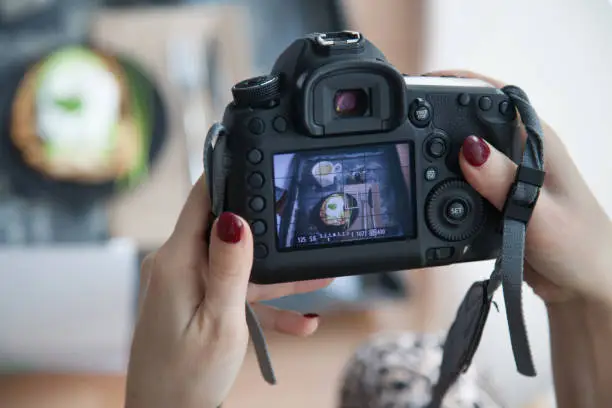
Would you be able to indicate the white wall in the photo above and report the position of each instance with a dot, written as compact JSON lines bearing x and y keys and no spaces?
{"x":560,"y":53}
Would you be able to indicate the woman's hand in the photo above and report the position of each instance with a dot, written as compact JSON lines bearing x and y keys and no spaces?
{"x":569,"y":238}
{"x":191,"y":335}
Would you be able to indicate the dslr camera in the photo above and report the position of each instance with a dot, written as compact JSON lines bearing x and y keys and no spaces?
{"x":343,"y":166}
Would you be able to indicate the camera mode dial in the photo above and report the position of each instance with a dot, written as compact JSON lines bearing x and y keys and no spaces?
{"x":454,"y":211}
{"x":257,"y":92}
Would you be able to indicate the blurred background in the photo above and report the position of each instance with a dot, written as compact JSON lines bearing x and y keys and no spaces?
{"x":73,"y":232}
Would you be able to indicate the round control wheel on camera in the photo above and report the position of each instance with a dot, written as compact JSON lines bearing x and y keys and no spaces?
{"x":454,"y":211}
{"x":258,"y":91}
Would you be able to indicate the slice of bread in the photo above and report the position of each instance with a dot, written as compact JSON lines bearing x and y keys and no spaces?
{"x":79,"y":160}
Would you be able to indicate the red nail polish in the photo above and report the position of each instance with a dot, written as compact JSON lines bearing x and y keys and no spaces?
{"x":311,"y":315}
{"x":475,"y":150}
{"x":229,"y":228}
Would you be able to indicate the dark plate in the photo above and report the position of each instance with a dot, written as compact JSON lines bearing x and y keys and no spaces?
{"x":29,"y":183}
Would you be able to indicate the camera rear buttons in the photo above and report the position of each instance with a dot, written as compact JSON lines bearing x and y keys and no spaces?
{"x":258,"y":227}
{"x":257,"y":204}
{"x":254,"y":156}
{"x":464,"y":99}
{"x":454,"y":211}
{"x":256,"y":126}
{"x":280,"y":124}
{"x":260,"y":251}
{"x":256,"y":180}
{"x":485,"y":103}
{"x":420,"y":112}
{"x":431,"y":174}
{"x":506,"y":109}
{"x":440,"y":254}
{"x":436,"y":145}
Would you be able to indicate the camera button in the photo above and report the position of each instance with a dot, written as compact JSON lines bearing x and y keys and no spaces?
{"x":485,"y":103}
{"x":258,"y":227}
{"x":257,"y":204}
{"x":431,"y":173}
{"x":503,"y":107}
{"x":464,"y":99}
{"x":436,"y":147}
{"x":279,"y":124}
{"x":456,"y":210}
{"x":256,"y":180}
{"x":255,"y":156}
{"x":257,"y":126}
{"x":507,"y":110}
{"x":440,"y":254}
{"x":260,"y":251}
{"x":420,"y":112}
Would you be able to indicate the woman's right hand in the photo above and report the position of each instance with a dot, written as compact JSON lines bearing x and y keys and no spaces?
{"x":569,"y":237}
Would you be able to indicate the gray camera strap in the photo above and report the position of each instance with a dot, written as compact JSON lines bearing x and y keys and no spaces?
{"x":466,"y":331}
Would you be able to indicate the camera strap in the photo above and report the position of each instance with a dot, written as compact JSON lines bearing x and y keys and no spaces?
{"x":216,"y":168}
{"x":466,"y":331}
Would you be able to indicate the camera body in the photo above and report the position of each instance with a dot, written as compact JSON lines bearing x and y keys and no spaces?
{"x":344,"y":166}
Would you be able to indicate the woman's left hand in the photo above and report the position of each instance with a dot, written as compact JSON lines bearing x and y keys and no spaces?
{"x":191,"y":334}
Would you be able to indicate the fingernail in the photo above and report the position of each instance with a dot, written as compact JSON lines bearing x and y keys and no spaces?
{"x":311,"y":315}
{"x":229,"y":228}
{"x":475,"y":150}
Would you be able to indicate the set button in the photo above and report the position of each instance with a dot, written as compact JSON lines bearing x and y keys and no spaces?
{"x":456,"y":210}
{"x":257,"y":204}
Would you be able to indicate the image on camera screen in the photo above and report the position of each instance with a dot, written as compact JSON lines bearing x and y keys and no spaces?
{"x":340,"y":196}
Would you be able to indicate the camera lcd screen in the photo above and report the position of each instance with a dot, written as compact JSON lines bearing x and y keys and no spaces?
{"x":343,"y":195}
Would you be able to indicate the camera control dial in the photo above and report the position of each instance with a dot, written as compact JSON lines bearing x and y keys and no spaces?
{"x":257,"y":92}
{"x":454,"y":211}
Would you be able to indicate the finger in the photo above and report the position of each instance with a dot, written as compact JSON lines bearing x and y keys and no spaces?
{"x":193,"y":220}
{"x":286,"y":321}
{"x":230,"y":259}
{"x":489,"y":172}
{"x":267,"y":292}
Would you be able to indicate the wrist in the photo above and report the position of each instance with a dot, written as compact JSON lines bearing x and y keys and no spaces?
{"x":580,"y":335}
{"x":597,"y":267}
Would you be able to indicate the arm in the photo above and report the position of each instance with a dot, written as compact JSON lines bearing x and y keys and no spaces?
{"x":581,"y":351}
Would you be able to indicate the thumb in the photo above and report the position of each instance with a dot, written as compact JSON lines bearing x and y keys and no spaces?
{"x":230,"y":257}
{"x":488,"y":170}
